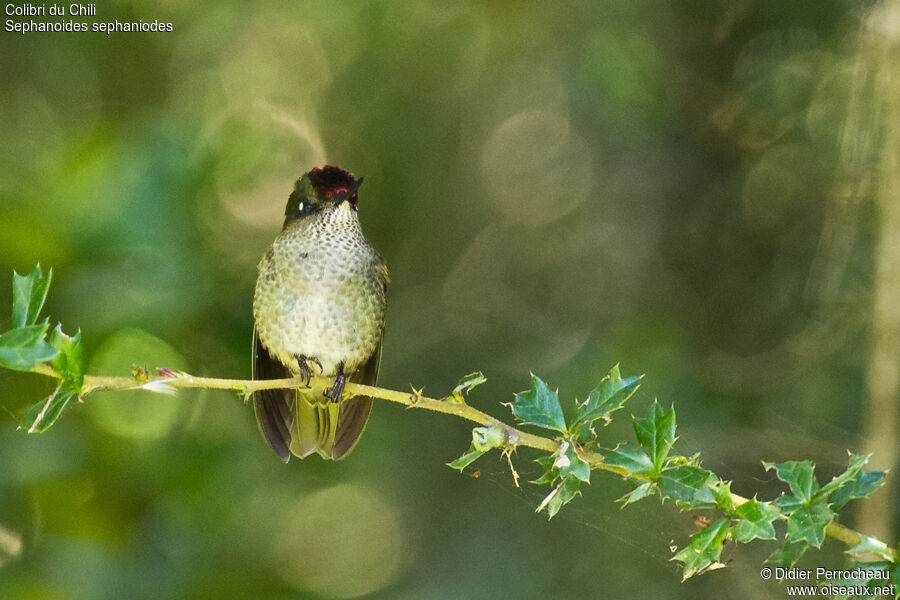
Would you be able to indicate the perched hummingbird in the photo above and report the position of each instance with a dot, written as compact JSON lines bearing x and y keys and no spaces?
{"x":319,"y":304}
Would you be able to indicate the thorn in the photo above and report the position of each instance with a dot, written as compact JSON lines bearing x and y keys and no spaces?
{"x":416,"y":395}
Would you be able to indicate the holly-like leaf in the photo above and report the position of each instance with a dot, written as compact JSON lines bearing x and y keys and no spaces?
{"x":69,"y":361}
{"x":860,"y":486}
{"x":539,"y":406}
{"x":570,"y":464}
{"x":754,"y":521}
{"x":869,"y":547}
{"x":29,"y":294}
{"x":638,"y":493}
{"x":465,"y":385}
{"x":564,"y":492}
{"x":632,"y":459}
{"x":787,"y":503}
{"x":800,"y":476}
{"x":656,"y":433}
{"x":724,"y":502}
{"x":21,"y":348}
{"x":688,"y":486}
{"x":551,"y":473}
{"x":808,"y":523}
{"x":466,"y":459}
{"x":44,"y":414}
{"x":610,"y":395}
{"x":857,"y":461}
{"x":705,"y":549}
{"x":788,"y":555}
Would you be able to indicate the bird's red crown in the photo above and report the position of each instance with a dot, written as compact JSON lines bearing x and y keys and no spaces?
{"x":331,"y":180}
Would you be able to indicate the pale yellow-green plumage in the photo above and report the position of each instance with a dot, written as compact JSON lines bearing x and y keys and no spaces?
{"x":320,"y":295}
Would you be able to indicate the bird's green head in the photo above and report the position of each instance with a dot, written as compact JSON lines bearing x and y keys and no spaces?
{"x":322,"y":188}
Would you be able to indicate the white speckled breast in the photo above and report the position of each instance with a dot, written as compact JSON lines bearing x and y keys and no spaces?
{"x":320,"y":292}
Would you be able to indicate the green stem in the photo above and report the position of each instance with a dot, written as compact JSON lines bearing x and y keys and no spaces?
{"x":413,"y":399}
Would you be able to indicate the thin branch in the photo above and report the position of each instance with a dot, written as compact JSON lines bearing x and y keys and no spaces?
{"x":415,"y":399}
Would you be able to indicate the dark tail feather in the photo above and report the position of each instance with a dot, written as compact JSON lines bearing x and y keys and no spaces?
{"x":355,"y":411}
{"x":354,"y":416}
{"x":274,"y":408}
{"x":312,"y":431}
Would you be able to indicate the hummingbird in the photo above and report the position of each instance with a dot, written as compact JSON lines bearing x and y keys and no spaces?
{"x":319,"y":306}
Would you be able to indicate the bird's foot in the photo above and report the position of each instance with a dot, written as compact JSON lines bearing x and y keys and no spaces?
{"x":305,"y":371}
{"x":337,"y":390}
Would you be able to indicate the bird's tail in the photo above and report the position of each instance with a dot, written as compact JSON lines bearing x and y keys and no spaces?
{"x":330,"y":428}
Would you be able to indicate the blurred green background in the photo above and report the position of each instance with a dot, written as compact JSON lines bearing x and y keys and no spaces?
{"x":693,"y":189}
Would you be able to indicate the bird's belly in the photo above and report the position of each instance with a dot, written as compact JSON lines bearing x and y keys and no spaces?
{"x":331,"y":324}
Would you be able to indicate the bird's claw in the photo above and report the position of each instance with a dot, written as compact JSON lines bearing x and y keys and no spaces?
{"x":305,"y":371}
{"x":337,"y":390}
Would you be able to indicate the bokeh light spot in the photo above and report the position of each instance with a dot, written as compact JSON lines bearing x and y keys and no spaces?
{"x":345,"y":541}
{"x":138,"y":414}
{"x":533,"y":170}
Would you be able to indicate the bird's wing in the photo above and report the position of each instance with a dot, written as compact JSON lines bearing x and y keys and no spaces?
{"x":274,"y":408}
{"x":355,"y":411}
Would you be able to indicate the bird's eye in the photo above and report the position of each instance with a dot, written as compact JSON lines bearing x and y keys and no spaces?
{"x":306,"y":208}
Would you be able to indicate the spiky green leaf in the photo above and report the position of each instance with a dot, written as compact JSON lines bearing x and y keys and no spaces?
{"x":610,"y":395}
{"x":45,"y":413}
{"x":705,"y":549}
{"x":69,"y":361}
{"x":466,"y":459}
{"x":869,"y":547}
{"x":788,"y":554}
{"x":724,"y":502}
{"x":656,"y":433}
{"x":800,"y":476}
{"x":29,"y":294}
{"x":21,"y":348}
{"x":857,"y":461}
{"x":564,"y":492}
{"x":570,"y":464}
{"x":551,"y":473}
{"x":638,"y":493}
{"x":688,"y":486}
{"x":631,"y":458}
{"x":860,"y":486}
{"x":754,"y":521}
{"x":808,"y":523}
{"x":539,"y":406}
{"x":787,"y":503}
